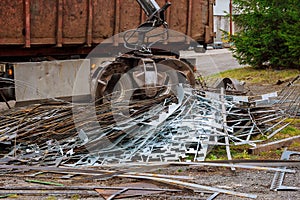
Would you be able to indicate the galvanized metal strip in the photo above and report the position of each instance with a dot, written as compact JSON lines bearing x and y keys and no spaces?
{"x":193,"y":185}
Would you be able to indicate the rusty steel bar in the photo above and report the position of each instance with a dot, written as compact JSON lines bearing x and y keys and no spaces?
{"x":74,"y":187}
{"x":49,"y":192}
{"x":167,"y":18}
{"x":59,"y":28}
{"x":117,"y":23}
{"x":89,"y":34}
{"x":189,"y":20}
{"x":27,"y":23}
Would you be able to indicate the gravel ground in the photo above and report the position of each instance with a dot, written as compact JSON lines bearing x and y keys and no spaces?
{"x":251,"y":181}
{"x":246,"y":181}
{"x":3,"y":105}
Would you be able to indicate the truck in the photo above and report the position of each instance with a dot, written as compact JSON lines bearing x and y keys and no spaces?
{"x":56,"y":42}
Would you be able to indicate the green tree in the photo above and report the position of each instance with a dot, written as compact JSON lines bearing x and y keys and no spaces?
{"x":269,"y":33}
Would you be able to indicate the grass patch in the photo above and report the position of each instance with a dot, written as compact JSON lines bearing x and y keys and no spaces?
{"x":51,"y":198}
{"x":290,"y":131}
{"x":75,"y":197}
{"x":294,"y":122}
{"x":237,"y":153}
{"x":295,"y":145}
{"x":241,"y":153}
{"x":275,"y":154}
{"x":287,"y":132}
{"x":263,"y":76}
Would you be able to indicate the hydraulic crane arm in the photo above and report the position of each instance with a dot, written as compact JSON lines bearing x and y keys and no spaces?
{"x":156,"y":18}
{"x":149,"y":6}
{"x":154,"y":12}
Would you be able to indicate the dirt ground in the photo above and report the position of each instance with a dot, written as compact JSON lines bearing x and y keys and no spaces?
{"x":3,"y":105}
{"x":258,"y":89}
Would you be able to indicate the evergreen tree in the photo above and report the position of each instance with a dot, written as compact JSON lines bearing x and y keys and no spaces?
{"x":269,"y":33}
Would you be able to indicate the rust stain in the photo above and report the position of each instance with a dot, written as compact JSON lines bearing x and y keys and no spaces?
{"x":89,"y":22}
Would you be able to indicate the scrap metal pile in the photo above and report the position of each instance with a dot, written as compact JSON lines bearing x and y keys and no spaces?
{"x":178,"y":127}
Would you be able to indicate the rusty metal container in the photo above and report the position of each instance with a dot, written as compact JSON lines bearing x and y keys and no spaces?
{"x":58,"y":27}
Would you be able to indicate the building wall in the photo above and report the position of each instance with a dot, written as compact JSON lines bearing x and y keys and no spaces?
{"x":221,"y":24}
{"x":221,"y":21}
{"x":221,"y":7}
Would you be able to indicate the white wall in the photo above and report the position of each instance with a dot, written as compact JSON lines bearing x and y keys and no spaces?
{"x":221,"y":6}
{"x":221,"y":21}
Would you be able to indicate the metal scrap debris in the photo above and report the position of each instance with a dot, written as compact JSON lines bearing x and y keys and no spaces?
{"x":168,"y":128}
{"x":277,"y":182}
{"x":134,"y":137}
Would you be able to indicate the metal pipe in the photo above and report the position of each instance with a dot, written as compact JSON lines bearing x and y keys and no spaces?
{"x":149,"y":6}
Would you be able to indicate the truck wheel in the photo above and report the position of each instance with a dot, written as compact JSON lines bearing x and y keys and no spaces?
{"x":119,"y":88}
{"x":111,"y":83}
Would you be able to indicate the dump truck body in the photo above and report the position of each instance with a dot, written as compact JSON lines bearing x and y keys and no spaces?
{"x":74,"y":27}
{"x":34,"y":29}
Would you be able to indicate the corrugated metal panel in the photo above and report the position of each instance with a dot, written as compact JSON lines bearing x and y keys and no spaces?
{"x":30,"y":23}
